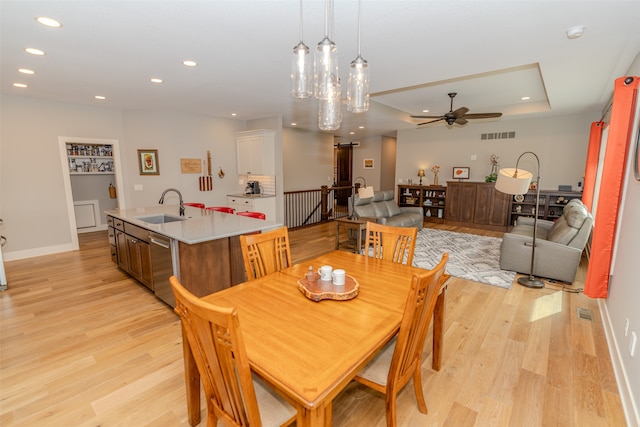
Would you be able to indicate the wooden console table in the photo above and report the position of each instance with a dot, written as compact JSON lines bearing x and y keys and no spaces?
{"x":357,"y":225}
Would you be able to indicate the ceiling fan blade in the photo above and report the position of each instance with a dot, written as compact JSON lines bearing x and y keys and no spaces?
{"x":461,"y":121}
{"x":432,"y":121}
{"x":460,"y":111}
{"x":425,"y":117}
{"x":482,"y":115}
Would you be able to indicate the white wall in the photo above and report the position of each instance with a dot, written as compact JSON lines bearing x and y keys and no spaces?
{"x":624,"y":291}
{"x":307,"y":159}
{"x":33,"y":202}
{"x":560,"y":142}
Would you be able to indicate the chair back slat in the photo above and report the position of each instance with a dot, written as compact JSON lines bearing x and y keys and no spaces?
{"x":266,"y":252}
{"x":386,"y":242}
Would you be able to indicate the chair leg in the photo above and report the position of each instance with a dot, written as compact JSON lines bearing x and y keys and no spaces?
{"x":417,"y":387}
{"x":391,"y":408}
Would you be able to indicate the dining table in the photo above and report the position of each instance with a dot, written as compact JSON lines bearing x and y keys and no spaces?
{"x":309,"y":350}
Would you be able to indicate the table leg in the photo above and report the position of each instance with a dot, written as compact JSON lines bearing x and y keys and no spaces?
{"x":358,"y":240}
{"x":192,"y":382}
{"x":318,"y":417}
{"x":337,"y":235}
{"x":438,"y":330}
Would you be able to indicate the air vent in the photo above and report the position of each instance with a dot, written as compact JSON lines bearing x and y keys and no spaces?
{"x":584,"y":313}
{"x":497,"y":135}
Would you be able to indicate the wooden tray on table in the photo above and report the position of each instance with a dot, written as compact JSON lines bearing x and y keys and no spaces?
{"x":321,"y":289}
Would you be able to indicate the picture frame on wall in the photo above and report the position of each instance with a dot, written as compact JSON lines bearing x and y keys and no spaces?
{"x":368,"y":164}
{"x":148,"y":162}
{"x":461,"y":172}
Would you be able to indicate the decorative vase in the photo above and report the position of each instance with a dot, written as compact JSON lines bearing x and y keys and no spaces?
{"x":435,"y":179}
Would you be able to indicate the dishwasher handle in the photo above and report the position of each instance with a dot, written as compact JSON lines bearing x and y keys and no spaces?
{"x":158,"y":242}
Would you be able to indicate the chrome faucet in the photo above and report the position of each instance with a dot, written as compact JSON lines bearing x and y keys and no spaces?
{"x":161,"y":201}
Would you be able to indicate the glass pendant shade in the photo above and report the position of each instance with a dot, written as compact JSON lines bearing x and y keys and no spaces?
{"x":358,"y":86}
{"x":301,"y":72}
{"x":325,"y":68}
{"x":329,"y":108}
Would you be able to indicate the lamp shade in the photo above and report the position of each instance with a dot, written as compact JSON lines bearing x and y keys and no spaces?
{"x":420,"y":172}
{"x":365,"y":192}
{"x":513,"y":181}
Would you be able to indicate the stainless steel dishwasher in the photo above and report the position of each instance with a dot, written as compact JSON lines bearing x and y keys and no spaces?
{"x":164,"y":263}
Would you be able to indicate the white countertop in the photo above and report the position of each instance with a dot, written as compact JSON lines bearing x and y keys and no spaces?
{"x":200,"y":226}
{"x":252,"y":196}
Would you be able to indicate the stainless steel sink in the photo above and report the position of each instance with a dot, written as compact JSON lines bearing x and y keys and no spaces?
{"x":160,"y":219}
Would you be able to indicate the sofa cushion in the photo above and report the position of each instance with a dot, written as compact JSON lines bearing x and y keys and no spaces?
{"x":568,"y":225}
{"x":392,"y":207}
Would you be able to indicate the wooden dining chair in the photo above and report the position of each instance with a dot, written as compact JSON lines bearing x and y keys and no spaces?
{"x":266,"y":252}
{"x":401,"y":359}
{"x":390,"y":243}
{"x":234,"y":396}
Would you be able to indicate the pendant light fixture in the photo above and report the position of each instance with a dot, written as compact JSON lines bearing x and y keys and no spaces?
{"x":301,"y":68}
{"x":358,"y":84}
{"x":326,"y":60}
{"x":330,"y":108}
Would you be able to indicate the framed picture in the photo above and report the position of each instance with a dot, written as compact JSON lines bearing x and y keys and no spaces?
{"x":460,"y":173}
{"x":368,"y":164}
{"x":148,"y":162}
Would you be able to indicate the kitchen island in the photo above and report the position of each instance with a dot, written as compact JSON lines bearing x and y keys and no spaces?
{"x":202,"y":248}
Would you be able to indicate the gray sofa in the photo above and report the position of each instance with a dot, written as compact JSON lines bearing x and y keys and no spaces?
{"x":383,"y":208}
{"x":559,"y":244}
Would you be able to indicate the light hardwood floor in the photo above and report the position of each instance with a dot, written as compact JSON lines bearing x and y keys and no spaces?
{"x":83,"y":344}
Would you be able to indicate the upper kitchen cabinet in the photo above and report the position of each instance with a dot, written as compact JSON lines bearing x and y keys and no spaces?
{"x":256,"y":152}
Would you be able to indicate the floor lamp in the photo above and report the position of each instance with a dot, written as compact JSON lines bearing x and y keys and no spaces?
{"x":364,"y":192}
{"x":516,"y":181}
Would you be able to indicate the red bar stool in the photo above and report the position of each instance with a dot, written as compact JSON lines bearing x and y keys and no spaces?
{"x":258,"y":215}
{"x":195,"y":205}
{"x":221,"y":209}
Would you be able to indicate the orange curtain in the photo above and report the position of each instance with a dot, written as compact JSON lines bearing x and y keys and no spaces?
{"x":591,"y":170}
{"x":613,"y":173}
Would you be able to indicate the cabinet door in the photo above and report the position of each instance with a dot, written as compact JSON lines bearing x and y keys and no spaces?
{"x":121,"y":245}
{"x":135,"y":269}
{"x":499,"y":214}
{"x":146,"y":274}
{"x":249,"y":151}
{"x":256,"y":152}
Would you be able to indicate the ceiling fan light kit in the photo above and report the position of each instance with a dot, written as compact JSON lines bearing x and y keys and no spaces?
{"x":458,"y":117}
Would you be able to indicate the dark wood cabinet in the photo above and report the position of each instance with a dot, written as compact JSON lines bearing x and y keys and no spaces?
{"x":550,"y":207}
{"x":130,"y":250}
{"x":431,"y":198}
{"x":476,"y":204}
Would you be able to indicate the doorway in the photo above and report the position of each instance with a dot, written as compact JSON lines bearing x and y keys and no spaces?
{"x":344,"y":167}
{"x":100,"y":188}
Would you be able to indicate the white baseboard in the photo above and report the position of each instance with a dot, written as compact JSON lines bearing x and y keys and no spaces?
{"x":626,"y":394}
{"x":30,"y":253}
{"x":99,"y":227}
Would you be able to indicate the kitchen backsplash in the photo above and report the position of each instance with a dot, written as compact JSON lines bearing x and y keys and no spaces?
{"x":268,"y":183}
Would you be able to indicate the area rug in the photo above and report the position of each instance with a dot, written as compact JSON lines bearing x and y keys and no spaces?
{"x":471,"y":257}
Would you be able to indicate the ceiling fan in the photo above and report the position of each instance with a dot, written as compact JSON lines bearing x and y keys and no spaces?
{"x":458,"y":116}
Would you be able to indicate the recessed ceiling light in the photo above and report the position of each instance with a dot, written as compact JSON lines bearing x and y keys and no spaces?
{"x":155,"y":80}
{"x":352,"y":133}
{"x":425,"y":111}
{"x":189,"y":63}
{"x":49,"y":22}
{"x":525,"y":98}
{"x":100,"y":97}
{"x":26,"y":71}
{"x":20,"y":85}
{"x":34,"y":51}
{"x":294,"y":124}
{"x":575,"y":32}
{"x":234,"y":114}
{"x":360,"y":127}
